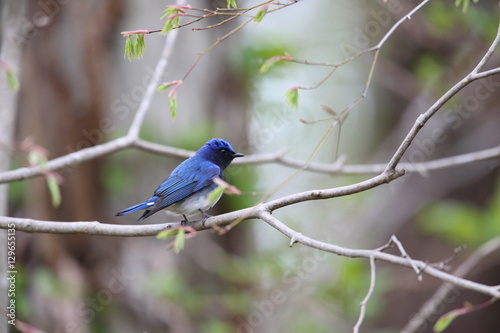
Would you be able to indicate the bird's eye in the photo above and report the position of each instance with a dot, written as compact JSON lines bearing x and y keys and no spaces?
{"x":223,"y":151}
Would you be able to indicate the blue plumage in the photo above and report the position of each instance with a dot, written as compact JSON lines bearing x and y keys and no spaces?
{"x":187,"y":190}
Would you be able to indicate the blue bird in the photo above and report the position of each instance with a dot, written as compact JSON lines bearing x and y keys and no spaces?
{"x":187,"y":190}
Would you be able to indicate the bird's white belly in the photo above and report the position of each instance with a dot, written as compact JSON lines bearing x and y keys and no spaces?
{"x":193,"y":203}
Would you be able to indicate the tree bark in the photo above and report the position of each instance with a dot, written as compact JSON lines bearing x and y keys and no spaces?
{"x":10,"y":54}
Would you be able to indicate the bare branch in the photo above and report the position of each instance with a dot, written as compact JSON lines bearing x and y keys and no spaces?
{"x":433,"y":304}
{"x":377,"y":255}
{"x":333,"y":192}
{"x":362,"y":310}
{"x":67,"y":161}
{"x":404,"y":254}
{"x":424,"y":117}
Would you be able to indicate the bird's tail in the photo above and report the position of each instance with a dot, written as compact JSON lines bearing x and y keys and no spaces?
{"x":144,"y":205}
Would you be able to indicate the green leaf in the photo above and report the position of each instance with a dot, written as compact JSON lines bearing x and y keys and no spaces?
{"x":273,"y":61}
{"x":261,"y":13}
{"x":55,"y":193}
{"x":215,"y":194}
{"x":179,"y":241}
{"x":139,"y":46}
{"x":445,"y":320}
{"x":173,"y":107}
{"x":266,"y":66}
{"x":167,"y":233}
{"x":465,"y":4}
{"x":13,"y":80}
{"x":129,"y":48}
{"x":35,"y":158}
{"x":170,"y":23}
{"x":231,"y":3}
{"x":292,"y":97}
{"x":165,"y":86}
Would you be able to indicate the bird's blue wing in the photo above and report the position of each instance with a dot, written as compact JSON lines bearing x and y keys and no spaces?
{"x":185,"y":180}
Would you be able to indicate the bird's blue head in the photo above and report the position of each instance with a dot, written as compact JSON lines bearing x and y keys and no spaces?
{"x":219,"y":152}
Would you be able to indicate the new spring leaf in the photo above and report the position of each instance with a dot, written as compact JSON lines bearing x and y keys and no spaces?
{"x":55,"y":193}
{"x":12,"y":79}
{"x":261,"y":13}
{"x":172,"y":14}
{"x":179,"y":241}
{"x":292,"y":97}
{"x":273,"y":61}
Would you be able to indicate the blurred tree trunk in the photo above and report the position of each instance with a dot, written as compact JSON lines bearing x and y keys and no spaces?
{"x":12,"y":12}
{"x":63,"y":101}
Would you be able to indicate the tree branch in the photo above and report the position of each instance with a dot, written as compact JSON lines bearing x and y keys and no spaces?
{"x":434,"y":303}
{"x":362,"y":310}
{"x":424,"y":117}
{"x":377,"y":255}
{"x":159,"y":71}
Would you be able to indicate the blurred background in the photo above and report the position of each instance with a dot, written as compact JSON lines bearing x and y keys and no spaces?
{"x":77,"y":90}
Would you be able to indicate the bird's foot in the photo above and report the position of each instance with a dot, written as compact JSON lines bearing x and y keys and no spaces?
{"x":206,"y":215}
{"x":185,"y":221}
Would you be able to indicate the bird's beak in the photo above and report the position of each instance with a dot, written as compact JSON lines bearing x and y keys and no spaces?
{"x":237,"y":155}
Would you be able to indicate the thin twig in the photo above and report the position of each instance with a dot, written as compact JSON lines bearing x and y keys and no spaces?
{"x":159,"y":71}
{"x":433,"y":306}
{"x":362,"y":309}
{"x":405,"y":255}
{"x":377,"y":255}
{"x":423,"y":118}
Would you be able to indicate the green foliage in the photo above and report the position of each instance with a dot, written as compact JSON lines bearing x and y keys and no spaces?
{"x":23,"y":286}
{"x":180,"y":237}
{"x":165,"y":86}
{"x":139,"y":46}
{"x":167,"y":233}
{"x":459,"y":223}
{"x":17,"y":190}
{"x":129,"y":48}
{"x":445,"y":22}
{"x":252,"y":60}
{"x":292,"y":97}
{"x":231,"y":4}
{"x":12,"y":79}
{"x":49,"y":284}
{"x":115,"y":176}
{"x":244,"y":177}
{"x":351,"y":286}
{"x":134,"y":49}
{"x":307,"y":322}
{"x":216,"y":326}
{"x":172,"y":101}
{"x":172,"y":19}
{"x":180,"y":240}
{"x":429,"y":68}
{"x":55,"y":193}
{"x":36,"y":158}
{"x":172,"y":286}
{"x":261,"y":13}
{"x":273,"y":61}
{"x":444,"y":321}
{"x":215,"y":194}
{"x":465,"y":4}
